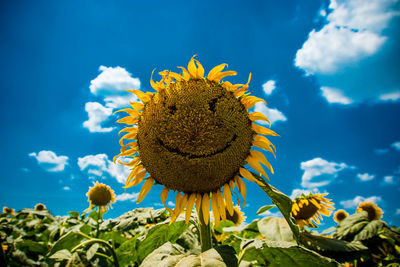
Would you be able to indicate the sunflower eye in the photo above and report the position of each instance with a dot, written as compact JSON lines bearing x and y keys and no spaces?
{"x":212,"y":104}
{"x":172,"y":109}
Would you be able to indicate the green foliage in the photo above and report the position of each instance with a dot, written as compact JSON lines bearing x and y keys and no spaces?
{"x":276,"y":229}
{"x":264,"y":209}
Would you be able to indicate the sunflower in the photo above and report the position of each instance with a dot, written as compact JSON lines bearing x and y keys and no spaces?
{"x":374,"y":212}
{"x":310,"y":207}
{"x":100,"y":195}
{"x":238,"y":216}
{"x":9,"y":211}
{"x":40,"y":207}
{"x":194,"y":136}
{"x":340,"y":215}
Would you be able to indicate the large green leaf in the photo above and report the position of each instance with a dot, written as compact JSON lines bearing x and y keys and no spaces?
{"x":264,"y":209}
{"x":127,"y":252}
{"x":251,"y":230}
{"x":282,"y":201}
{"x":167,"y":255}
{"x":351,"y":226}
{"x":370,"y":230}
{"x":32,"y":246}
{"x":63,"y":254}
{"x":159,"y":235}
{"x":276,"y":229}
{"x":281,"y":253}
{"x":67,"y":241}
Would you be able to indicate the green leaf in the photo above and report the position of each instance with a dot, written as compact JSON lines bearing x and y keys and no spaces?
{"x":113,"y":236}
{"x":320,"y":243}
{"x":370,"y":230}
{"x":74,"y":214}
{"x":167,"y":255}
{"x":63,"y":254}
{"x":351,"y":226}
{"x":159,"y":235}
{"x":276,"y":229}
{"x":264,"y":209}
{"x":67,"y":241}
{"x":251,"y":230}
{"x":281,"y":253}
{"x":127,"y":252}
{"x":94,"y":215}
{"x":86,"y":229}
{"x":92,"y":251}
{"x":283,"y":202}
{"x":31,"y":246}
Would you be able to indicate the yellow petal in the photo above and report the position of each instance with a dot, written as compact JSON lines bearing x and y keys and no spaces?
{"x":228,"y":199}
{"x":232,"y":184}
{"x":205,"y":208}
{"x":126,"y":153}
{"x":133,"y":173}
{"x":129,"y":136}
{"x":262,"y":130}
{"x":221,"y":205}
{"x":242,"y":189}
{"x":145,"y":189}
{"x":218,"y":77}
{"x":185,"y":74}
{"x":216,"y":70}
{"x":246,"y":174}
{"x":250,"y":101}
{"x":192,"y":68}
{"x":200,"y":70}
{"x":137,"y":180}
{"x":136,"y":105}
{"x":164,"y":196}
{"x":264,"y":140}
{"x":255,"y":116}
{"x":316,"y":204}
{"x":131,"y":112}
{"x":257,"y":155}
{"x":176,"y":76}
{"x":152,"y":83}
{"x":256,"y":166}
{"x":189,"y":207}
{"x":144,"y":97}
{"x":214,"y":207}
{"x":198,"y":203}
{"x":131,"y":163}
{"x":128,"y":129}
{"x":264,"y":146}
{"x":128,"y":120}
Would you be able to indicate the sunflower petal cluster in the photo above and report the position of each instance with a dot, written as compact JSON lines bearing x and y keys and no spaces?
{"x":374,"y":212}
{"x":101,"y":196}
{"x":307,"y":209}
{"x":340,"y":215}
{"x":194,"y":135}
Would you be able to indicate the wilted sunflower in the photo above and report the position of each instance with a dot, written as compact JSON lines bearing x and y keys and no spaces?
{"x":340,"y":215}
{"x":100,"y":195}
{"x":310,"y":207}
{"x":7,"y":210}
{"x":238,"y":216}
{"x":374,"y":212}
{"x":40,"y":207}
{"x":195,"y":135}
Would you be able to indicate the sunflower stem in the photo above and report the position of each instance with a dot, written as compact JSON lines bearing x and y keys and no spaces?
{"x":205,"y":233}
{"x":99,"y":216}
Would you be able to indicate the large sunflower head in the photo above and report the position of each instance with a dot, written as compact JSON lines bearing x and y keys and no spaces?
{"x":40,"y":207}
{"x":374,"y":212}
{"x":340,"y":215}
{"x":308,"y":208}
{"x":194,"y":135}
{"x":101,"y":196}
{"x":9,"y":211}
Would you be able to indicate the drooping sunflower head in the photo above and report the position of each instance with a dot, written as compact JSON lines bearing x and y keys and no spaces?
{"x":374,"y":212}
{"x":194,"y":135}
{"x":308,"y":208}
{"x":9,"y":211}
{"x":238,"y":216}
{"x":340,"y":215}
{"x":101,"y":196}
{"x":40,"y":207}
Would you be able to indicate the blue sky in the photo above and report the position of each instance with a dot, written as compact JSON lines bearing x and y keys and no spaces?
{"x":329,"y":71}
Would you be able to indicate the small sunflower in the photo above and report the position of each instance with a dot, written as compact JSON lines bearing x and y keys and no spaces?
{"x":310,"y":207}
{"x":195,"y":135}
{"x":40,"y":207}
{"x":374,"y":212}
{"x":238,"y":216}
{"x":9,"y":211}
{"x":340,"y":215}
{"x":100,"y":195}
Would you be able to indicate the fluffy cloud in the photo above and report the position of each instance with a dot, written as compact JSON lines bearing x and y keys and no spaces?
{"x":365,"y":177}
{"x":66,"y":188}
{"x":388,"y":179}
{"x":125,"y":196}
{"x":396,"y":145}
{"x":398,"y":212}
{"x":319,"y":172}
{"x":334,"y":95}
{"x":298,"y":192}
{"x":346,"y":51}
{"x":99,"y":166}
{"x":353,"y":203}
{"x":97,"y":115}
{"x":50,"y":161}
{"x":269,"y":86}
{"x":272,"y":114}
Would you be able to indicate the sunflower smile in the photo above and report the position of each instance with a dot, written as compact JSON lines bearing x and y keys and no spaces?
{"x":193,"y":156}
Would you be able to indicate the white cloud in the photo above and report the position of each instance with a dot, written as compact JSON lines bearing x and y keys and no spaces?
{"x":353,"y":203}
{"x":334,"y":95}
{"x":97,"y":115}
{"x":66,"y":188}
{"x":113,"y":82}
{"x":392,"y":96}
{"x":99,"y":166}
{"x":298,"y":192}
{"x":398,"y":212}
{"x":269,"y":86}
{"x":276,"y":214}
{"x":396,"y":145}
{"x":365,"y":177}
{"x":337,"y":53}
{"x":125,"y":196}
{"x":171,"y":204}
{"x":272,"y":114}
{"x":388,"y":179}
{"x":50,"y":161}
{"x":319,"y":172}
